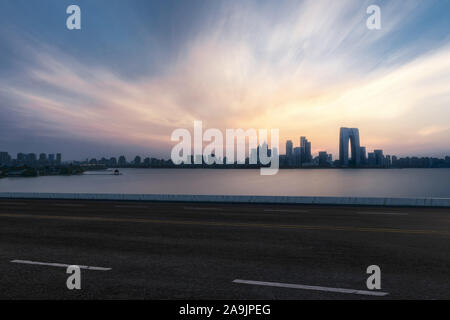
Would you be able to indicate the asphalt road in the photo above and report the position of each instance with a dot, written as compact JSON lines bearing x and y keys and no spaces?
{"x":197,"y":251}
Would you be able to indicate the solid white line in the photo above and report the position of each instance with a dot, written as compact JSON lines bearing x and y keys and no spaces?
{"x":60,"y":265}
{"x":286,"y":210}
{"x":316,"y":288}
{"x":383,"y":213}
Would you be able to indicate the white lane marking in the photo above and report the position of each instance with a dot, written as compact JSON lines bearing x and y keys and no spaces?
{"x":201,"y":208}
{"x":60,"y":265}
{"x":315,"y":288}
{"x":383,"y":213}
{"x":131,"y":207}
{"x":68,"y":205}
{"x":286,"y":210}
{"x":13,"y":203}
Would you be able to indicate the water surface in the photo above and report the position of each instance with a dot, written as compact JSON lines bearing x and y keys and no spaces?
{"x":334,"y":182}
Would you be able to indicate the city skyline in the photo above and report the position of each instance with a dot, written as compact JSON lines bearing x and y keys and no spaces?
{"x":138,"y":70}
{"x":351,"y":154}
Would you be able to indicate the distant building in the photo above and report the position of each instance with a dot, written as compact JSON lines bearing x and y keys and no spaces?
{"x":371,"y":159}
{"x":324,"y":159}
{"x":51,"y":158}
{"x":387,"y":161}
{"x":137,"y":161}
{"x":308,"y":155}
{"x":42,"y":158}
{"x":30,"y":159}
{"x":20,"y":158}
{"x":5,"y":158}
{"x":379,"y":158}
{"x":122,"y":161}
{"x":305,"y":145}
{"x":349,"y":135}
{"x":298,"y":153}
{"x":363,"y":155}
{"x":289,"y":148}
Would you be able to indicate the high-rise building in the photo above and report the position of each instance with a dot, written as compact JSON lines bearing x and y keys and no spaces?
{"x":349,"y":135}
{"x":308,"y":155}
{"x":363,"y":155}
{"x":387,"y":161}
{"x":371,"y":159}
{"x":20,"y":158}
{"x":137,"y":161}
{"x":4,"y":158}
{"x":302,"y":142}
{"x":298,"y":152}
{"x":290,"y":158}
{"x":58,"y":158}
{"x":42,"y":158}
{"x":305,"y":147}
{"x":379,"y":158}
{"x":122,"y":161}
{"x":324,"y":159}
{"x":289,"y":148}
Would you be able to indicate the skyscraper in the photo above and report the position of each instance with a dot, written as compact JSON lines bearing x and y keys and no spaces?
{"x":289,"y":148}
{"x":308,"y":155}
{"x":305,"y":147}
{"x":379,"y":158}
{"x":352,"y":135}
{"x":363,"y":155}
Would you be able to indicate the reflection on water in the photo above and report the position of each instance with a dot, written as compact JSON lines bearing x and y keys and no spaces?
{"x":360,"y":183}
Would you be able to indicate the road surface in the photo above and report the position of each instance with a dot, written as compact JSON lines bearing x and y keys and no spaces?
{"x":143,"y":250}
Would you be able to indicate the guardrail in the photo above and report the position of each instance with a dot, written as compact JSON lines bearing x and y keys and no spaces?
{"x":403,"y":202}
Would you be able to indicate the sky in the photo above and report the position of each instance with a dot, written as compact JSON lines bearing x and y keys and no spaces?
{"x":139,"y":69}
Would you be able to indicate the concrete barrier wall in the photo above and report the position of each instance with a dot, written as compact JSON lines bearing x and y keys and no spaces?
{"x":408,"y":202}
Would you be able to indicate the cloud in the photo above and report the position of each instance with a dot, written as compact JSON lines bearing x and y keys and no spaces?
{"x":304,"y":67}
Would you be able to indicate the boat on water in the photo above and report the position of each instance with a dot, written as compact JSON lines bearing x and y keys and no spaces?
{"x":107,"y":172}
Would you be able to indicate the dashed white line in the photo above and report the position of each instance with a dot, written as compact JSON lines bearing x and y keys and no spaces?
{"x":60,"y":265}
{"x":315,"y":288}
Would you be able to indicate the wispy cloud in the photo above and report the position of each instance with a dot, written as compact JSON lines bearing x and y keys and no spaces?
{"x":305,"y":67}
